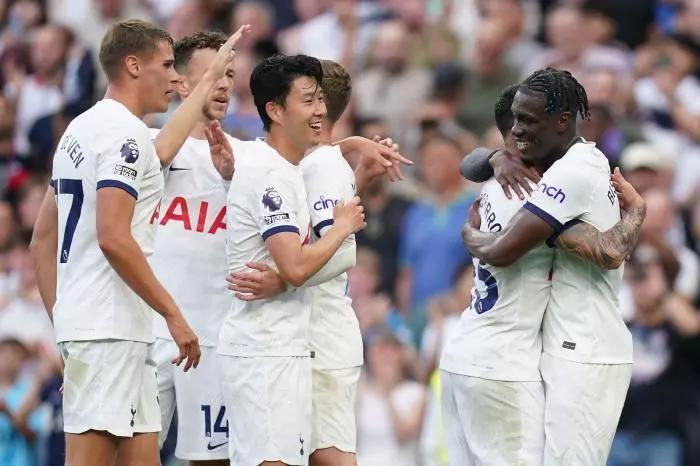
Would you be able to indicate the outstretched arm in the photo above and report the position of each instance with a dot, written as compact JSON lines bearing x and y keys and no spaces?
{"x":608,"y":249}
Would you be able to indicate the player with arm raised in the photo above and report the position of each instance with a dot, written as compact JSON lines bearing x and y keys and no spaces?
{"x":93,"y":224}
{"x":586,"y":364}
{"x":263,"y":347}
{"x":189,"y":246}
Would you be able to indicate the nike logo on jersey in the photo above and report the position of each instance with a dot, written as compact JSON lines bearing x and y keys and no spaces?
{"x":214,"y":447}
{"x":177,"y":169}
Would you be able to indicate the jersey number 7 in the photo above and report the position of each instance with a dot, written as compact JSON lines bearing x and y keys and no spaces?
{"x":75,"y":189}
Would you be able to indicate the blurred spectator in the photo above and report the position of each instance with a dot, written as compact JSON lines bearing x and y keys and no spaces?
{"x":24,"y":316}
{"x":345,"y":25}
{"x":664,"y":385}
{"x":261,"y":17}
{"x":7,"y":129}
{"x":662,"y":229}
{"x":668,"y":93}
{"x":571,"y":46}
{"x":448,"y":95}
{"x":431,"y":249}
{"x":243,"y":120}
{"x":391,"y":89}
{"x":390,"y":406}
{"x":373,"y":308}
{"x":41,"y":93}
{"x":490,"y":73}
{"x":30,"y":197}
{"x":602,"y":128}
{"x":90,"y":19}
{"x":384,"y":215}
{"x":18,"y":428}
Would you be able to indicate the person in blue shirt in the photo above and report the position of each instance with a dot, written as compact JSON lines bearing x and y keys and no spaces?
{"x":18,"y":427}
{"x":431,"y":249}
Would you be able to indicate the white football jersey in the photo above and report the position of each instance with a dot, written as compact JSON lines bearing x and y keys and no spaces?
{"x":266,"y":197}
{"x":189,"y":258}
{"x":583,"y":321}
{"x":334,"y":334}
{"x":106,"y":146}
{"x":498,"y":337}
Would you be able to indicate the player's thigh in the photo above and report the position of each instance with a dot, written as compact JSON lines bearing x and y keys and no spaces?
{"x":502,"y":420}
{"x":455,"y":439}
{"x":163,"y":353}
{"x":270,"y":402}
{"x":582,"y":409}
{"x":139,"y":450}
{"x":331,"y":456}
{"x":109,"y":385}
{"x":333,"y":425}
{"x":204,"y":432}
{"x":92,"y":448}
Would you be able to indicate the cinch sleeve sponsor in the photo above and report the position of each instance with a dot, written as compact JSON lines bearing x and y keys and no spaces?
{"x":324,"y":191}
{"x":563,"y":195}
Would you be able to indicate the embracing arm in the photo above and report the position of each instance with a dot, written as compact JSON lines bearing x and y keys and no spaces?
{"x":523,"y":233}
{"x":604,"y":249}
{"x":608,"y":249}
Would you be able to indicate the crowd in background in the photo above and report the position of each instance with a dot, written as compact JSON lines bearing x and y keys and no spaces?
{"x":426,"y":73}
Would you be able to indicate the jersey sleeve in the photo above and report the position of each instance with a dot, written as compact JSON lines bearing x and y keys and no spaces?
{"x":324,"y":190}
{"x":276,"y":207}
{"x":563,"y":195}
{"x":123,"y":161}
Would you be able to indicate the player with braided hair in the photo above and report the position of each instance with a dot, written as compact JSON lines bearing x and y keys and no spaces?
{"x":587,"y":349}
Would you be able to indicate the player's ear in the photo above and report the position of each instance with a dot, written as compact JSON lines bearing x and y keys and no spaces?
{"x":565,"y":119}
{"x":133,"y":66}
{"x":274,"y":111}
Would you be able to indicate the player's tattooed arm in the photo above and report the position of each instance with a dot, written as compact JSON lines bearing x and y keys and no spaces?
{"x":608,"y":249}
{"x":605,"y":249}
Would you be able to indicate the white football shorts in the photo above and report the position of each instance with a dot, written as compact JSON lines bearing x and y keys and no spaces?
{"x":491,"y":422}
{"x":333,"y":408}
{"x":109,"y":385}
{"x":271,"y":399}
{"x":582,"y":409}
{"x":202,"y":430}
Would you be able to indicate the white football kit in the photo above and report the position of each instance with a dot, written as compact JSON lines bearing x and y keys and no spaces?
{"x":103,"y":327}
{"x":334,"y":332}
{"x":492,"y":394}
{"x":264,"y":355}
{"x":587,"y":361}
{"x":189,"y":261}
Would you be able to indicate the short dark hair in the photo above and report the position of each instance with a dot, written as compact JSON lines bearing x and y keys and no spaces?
{"x":271,"y":80}
{"x":562,"y":92}
{"x":185,"y":47}
{"x":337,"y":89}
{"x":502,"y":110}
{"x":127,"y":38}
